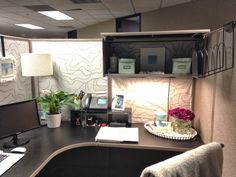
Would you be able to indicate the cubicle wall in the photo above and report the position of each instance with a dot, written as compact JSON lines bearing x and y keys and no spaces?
{"x":78,"y":66}
{"x":20,"y":89}
{"x":149,"y":94}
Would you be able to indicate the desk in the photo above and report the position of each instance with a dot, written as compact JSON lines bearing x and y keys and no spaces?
{"x":62,"y":147}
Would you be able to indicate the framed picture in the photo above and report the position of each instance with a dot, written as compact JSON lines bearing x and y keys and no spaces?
{"x":152,"y":59}
{"x":118,"y":102}
{"x":7,"y":69}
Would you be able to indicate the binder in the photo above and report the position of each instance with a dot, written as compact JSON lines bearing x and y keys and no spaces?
{"x":118,"y":134}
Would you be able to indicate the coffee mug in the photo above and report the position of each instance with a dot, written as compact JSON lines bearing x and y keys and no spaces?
{"x":160,"y":116}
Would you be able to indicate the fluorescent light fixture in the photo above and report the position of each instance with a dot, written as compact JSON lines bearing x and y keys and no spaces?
{"x":57,"y":15}
{"x":30,"y":26}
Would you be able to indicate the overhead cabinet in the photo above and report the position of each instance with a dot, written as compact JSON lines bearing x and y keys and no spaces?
{"x":194,"y":53}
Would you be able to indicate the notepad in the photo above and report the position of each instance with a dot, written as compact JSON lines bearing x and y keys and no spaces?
{"x":117,"y":134}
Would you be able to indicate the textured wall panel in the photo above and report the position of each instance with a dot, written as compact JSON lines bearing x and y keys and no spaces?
{"x":77,"y":65}
{"x":146,"y":95}
{"x":20,"y":89}
{"x":225,"y":119}
{"x":180,"y":94}
{"x":203,"y":107}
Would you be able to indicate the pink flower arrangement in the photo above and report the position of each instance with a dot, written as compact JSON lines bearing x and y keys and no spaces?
{"x":181,"y":113}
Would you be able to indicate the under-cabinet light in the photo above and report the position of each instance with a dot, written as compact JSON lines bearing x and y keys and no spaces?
{"x":57,"y":15}
{"x":30,"y":26}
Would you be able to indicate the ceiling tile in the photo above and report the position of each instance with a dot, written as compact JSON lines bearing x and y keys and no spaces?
{"x":92,"y":6}
{"x":167,"y":3}
{"x":78,"y":14}
{"x":114,"y":4}
{"x":121,"y":12}
{"x":25,"y":2}
{"x":98,"y":12}
{"x":5,"y":3}
{"x":64,"y":6}
{"x":143,"y":6}
{"x":12,"y":11}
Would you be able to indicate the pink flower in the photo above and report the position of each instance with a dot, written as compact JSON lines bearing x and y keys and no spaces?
{"x":181,"y":113}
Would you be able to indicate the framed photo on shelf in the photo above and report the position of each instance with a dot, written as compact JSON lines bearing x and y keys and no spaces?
{"x":118,"y":102}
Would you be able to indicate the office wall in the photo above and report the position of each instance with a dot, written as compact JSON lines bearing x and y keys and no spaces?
{"x":94,"y":31}
{"x":194,"y":15}
{"x":78,"y":65}
{"x":20,"y":89}
{"x":224,"y":128}
{"x":215,"y":104}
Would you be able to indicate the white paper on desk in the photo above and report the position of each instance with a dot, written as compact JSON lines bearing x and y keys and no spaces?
{"x":117,"y":134}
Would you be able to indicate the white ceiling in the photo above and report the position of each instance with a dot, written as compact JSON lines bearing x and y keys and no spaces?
{"x":84,"y":14}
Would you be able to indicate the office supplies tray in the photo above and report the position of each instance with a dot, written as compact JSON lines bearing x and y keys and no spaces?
{"x":167,"y":132}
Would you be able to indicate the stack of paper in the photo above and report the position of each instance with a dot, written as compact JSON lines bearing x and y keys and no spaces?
{"x":117,"y":134}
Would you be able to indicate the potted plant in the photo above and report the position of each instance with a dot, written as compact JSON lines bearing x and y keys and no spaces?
{"x":51,"y":103}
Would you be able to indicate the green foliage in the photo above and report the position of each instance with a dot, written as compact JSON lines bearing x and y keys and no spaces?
{"x":51,"y":102}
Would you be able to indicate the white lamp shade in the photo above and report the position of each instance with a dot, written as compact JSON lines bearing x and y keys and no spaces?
{"x":36,"y":64}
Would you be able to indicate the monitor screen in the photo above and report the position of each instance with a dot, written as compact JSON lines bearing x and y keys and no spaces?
{"x":18,"y":117}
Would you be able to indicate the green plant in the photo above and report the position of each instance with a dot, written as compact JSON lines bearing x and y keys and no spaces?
{"x":52,"y":101}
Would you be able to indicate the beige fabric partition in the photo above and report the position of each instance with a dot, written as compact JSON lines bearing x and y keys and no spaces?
{"x":149,"y":94}
{"x":20,"y":89}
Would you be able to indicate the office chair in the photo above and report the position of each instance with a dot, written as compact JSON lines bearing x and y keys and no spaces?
{"x":203,"y":161}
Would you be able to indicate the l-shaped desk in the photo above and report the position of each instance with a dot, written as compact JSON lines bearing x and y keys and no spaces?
{"x":71,"y":152}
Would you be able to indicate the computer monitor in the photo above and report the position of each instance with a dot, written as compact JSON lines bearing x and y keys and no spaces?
{"x":16,"y":118}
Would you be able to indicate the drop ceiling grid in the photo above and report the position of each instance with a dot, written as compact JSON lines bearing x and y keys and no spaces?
{"x":121,"y":4}
{"x":142,"y":6}
{"x":25,"y":2}
{"x":92,"y":6}
{"x":5,"y":3}
{"x":13,"y":11}
{"x":65,"y":5}
{"x":121,"y":12}
{"x":167,"y":3}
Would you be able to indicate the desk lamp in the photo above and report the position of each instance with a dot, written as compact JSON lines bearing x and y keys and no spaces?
{"x":36,"y":65}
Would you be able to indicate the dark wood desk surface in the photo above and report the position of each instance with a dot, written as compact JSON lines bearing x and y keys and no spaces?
{"x":47,"y":143}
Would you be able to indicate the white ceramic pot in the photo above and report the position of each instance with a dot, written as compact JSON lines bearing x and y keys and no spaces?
{"x":53,"y":120}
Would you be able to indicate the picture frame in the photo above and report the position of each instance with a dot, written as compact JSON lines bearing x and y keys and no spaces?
{"x":118,"y":102}
{"x":7,"y":69}
{"x":152,"y":59}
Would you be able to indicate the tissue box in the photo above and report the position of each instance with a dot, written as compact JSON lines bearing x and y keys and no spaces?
{"x":126,"y":66}
{"x":181,"y":65}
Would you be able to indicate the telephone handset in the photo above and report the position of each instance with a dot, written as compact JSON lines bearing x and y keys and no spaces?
{"x":95,"y":102}
{"x":88,"y":101}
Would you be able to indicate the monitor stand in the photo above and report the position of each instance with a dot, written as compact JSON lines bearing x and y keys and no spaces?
{"x":15,"y":141}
